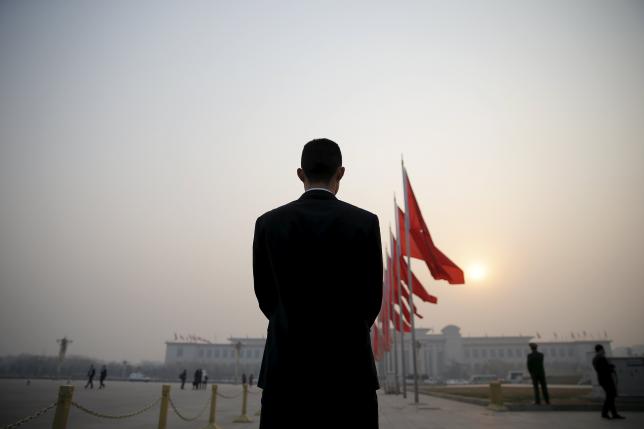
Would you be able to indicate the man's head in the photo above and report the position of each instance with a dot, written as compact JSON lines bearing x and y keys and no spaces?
{"x":599,"y":348}
{"x":321,"y":165}
{"x":533,"y":346}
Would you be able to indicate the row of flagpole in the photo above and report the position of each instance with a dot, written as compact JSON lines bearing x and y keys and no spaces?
{"x":416,"y":233}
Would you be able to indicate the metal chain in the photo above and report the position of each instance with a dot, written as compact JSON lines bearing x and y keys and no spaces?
{"x":184,"y":418}
{"x":115,"y":417}
{"x":229,"y":397}
{"x":31,"y":417}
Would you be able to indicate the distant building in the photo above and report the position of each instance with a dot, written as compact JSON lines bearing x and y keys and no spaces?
{"x":222,"y":356}
{"x":632,"y":351}
{"x":440,"y":355}
{"x":450,"y":355}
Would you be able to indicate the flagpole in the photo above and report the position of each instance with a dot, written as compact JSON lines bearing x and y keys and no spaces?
{"x":396,"y":260}
{"x":390,"y":310}
{"x":409,"y":282}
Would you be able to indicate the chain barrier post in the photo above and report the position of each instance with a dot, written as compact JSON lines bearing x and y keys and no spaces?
{"x":163,"y":413}
{"x":65,"y":394}
{"x":213,"y":409}
{"x":243,"y":418}
{"x":496,"y":397}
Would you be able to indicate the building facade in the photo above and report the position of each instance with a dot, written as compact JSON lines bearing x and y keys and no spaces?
{"x":450,"y":355}
{"x":222,"y":357}
{"x":442,"y":355}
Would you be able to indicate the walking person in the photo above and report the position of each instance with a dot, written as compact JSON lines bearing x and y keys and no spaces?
{"x":313,"y":257}
{"x":606,"y":379}
{"x":244,"y":378}
{"x":196,"y":380}
{"x":102,"y":377}
{"x":205,"y":379}
{"x":90,"y":377}
{"x":182,"y":377}
{"x":538,"y":374}
{"x":250,"y":380}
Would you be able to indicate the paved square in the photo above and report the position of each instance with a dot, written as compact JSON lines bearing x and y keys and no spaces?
{"x":18,"y":400}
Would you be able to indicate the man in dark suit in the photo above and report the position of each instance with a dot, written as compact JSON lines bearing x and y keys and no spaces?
{"x":538,"y":374}
{"x":317,"y":268}
{"x":605,"y":377}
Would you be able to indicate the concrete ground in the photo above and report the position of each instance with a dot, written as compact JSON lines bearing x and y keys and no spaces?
{"x":19,"y":400}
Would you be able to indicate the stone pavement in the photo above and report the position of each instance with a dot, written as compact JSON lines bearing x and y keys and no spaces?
{"x":18,"y":400}
{"x":437,"y":413}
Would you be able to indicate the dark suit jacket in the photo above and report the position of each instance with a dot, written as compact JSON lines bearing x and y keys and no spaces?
{"x":604,"y":369}
{"x":535,"y":364}
{"x":317,"y":268}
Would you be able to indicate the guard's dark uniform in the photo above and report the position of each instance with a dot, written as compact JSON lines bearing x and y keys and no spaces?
{"x":317,"y":266}
{"x":605,"y":371}
{"x":538,"y":375}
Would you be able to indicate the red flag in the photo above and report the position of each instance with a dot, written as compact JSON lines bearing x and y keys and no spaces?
{"x":406,"y":314}
{"x":395,"y":317}
{"x":405,"y":299}
{"x":417,"y":287}
{"x":374,"y":342}
{"x":440,"y":266}
{"x":415,"y":251}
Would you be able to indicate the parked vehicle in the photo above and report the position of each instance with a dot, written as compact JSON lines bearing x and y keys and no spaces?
{"x":515,"y":377}
{"x":483,"y":378}
{"x":138,"y":376}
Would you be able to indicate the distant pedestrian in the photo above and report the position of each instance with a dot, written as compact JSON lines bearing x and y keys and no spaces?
{"x":250,"y":380}
{"x":538,"y":374}
{"x":90,"y":377}
{"x":103,"y":376}
{"x":205,"y":379}
{"x":182,"y":377}
{"x":606,"y":378}
{"x":244,"y":378}
{"x":197,"y":379}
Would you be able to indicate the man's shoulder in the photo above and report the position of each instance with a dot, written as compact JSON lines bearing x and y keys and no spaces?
{"x":342,"y":206}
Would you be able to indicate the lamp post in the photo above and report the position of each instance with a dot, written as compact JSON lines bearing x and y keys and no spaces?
{"x":238,"y":346}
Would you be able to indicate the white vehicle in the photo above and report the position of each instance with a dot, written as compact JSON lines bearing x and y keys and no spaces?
{"x":483,"y":378}
{"x":515,"y":377}
{"x":138,"y":376}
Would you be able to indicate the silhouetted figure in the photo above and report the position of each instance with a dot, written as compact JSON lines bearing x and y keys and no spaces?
{"x":250,"y":380}
{"x":606,"y":378}
{"x":538,"y":374}
{"x":197,"y":380}
{"x":244,"y":378}
{"x":90,"y":377}
{"x":317,"y":267}
{"x":205,"y":381}
{"x":182,"y":377}
{"x":102,"y":377}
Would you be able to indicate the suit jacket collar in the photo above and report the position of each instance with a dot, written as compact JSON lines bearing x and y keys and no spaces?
{"x":317,"y":194}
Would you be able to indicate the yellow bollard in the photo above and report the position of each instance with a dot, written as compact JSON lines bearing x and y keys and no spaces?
{"x":496,"y":397}
{"x":244,"y":418}
{"x":65,"y":394}
{"x":213,"y":407}
{"x":163,"y":413}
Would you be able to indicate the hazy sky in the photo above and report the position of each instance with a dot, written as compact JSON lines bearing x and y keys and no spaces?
{"x":140,"y":140}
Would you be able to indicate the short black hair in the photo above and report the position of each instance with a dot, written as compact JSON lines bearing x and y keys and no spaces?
{"x":599,"y":347}
{"x":533,"y":346}
{"x":320,"y":160}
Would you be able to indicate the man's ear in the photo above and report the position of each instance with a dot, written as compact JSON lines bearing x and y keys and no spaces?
{"x":300,"y":174}
{"x":339,"y":174}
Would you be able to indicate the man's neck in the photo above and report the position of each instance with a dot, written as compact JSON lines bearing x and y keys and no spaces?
{"x":318,"y":188}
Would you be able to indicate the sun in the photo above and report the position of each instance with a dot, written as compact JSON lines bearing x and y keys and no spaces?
{"x":477,"y":272}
